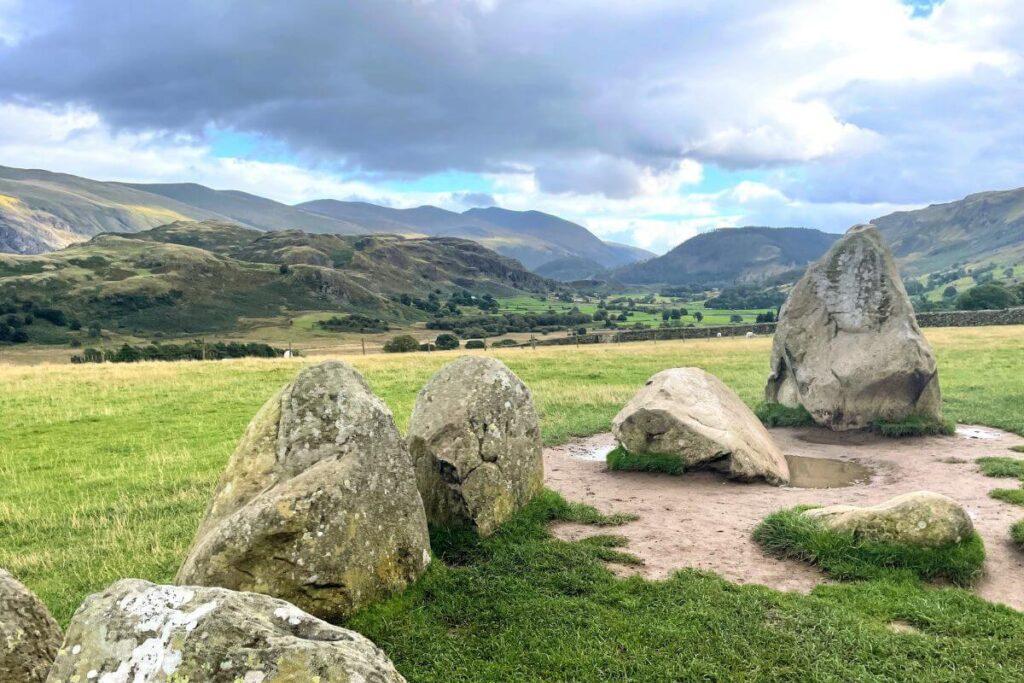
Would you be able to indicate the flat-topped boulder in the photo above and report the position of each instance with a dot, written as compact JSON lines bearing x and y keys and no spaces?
{"x":475,"y":440}
{"x":690,"y":414}
{"x":318,"y":504}
{"x":847,"y":346}
{"x":921,"y":518}
{"x":29,"y":636}
{"x":145,"y":633}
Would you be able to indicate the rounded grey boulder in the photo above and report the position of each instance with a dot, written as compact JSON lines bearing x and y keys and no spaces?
{"x":475,"y":440}
{"x":29,"y":636}
{"x":921,"y":518}
{"x":691,"y":415}
{"x":318,"y":504}
{"x":847,"y":346}
{"x":145,"y":633}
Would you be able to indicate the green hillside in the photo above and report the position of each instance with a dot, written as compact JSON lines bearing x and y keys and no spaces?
{"x":982,"y":228}
{"x":189,"y":277}
{"x":730,"y":256}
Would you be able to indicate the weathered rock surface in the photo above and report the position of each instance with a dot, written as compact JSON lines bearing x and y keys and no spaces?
{"x":691,"y":414}
{"x":318,"y":504}
{"x":140,"y":632}
{"x":921,"y":518}
{"x":847,"y":346}
{"x":475,"y":439}
{"x":29,"y":636}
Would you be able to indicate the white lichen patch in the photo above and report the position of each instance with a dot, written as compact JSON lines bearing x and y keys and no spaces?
{"x":290,"y":613}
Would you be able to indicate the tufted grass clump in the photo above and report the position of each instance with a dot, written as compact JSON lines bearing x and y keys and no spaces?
{"x":778,"y":415}
{"x":790,"y":534}
{"x":622,"y":460}
{"x":1017,"y":534}
{"x":1012,"y":496}
{"x":1002,"y":467}
{"x":913,"y":425}
{"x":1017,"y":449}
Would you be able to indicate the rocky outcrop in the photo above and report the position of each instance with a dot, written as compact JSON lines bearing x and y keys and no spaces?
{"x":847,"y":347}
{"x":922,"y":518}
{"x":318,"y":504}
{"x":475,"y":441}
{"x":29,"y":637}
{"x":690,"y":414}
{"x":137,"y":631}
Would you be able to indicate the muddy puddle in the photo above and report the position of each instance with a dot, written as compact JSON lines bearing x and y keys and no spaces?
{"x":824,"y":473}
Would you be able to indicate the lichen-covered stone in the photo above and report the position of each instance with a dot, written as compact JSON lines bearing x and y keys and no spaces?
{"x":847,"y":346}
{"x":318,"y":505}
{"x":690,"y":414}
{"x":29,"y":637}
{"x":475,"y":440}
{"x":921,"y":518}
{"x":138,"y":632}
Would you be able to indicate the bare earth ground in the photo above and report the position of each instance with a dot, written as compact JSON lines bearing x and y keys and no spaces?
{"x":704,"y":521}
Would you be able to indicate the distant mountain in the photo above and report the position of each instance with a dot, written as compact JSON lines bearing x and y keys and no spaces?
{"x":249,"y":209}
{"x":532,"y":237}
{"x":41,"y":211}
{"x":981,"y":228}
{"x":731,"y":256}
{"x":189,"y":277}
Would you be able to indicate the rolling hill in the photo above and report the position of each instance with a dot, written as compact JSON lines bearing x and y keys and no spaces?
{"x":41,"y":211}
{"x":532,"y":237}
{"x":979,"y":229}
{"x":189,"y":277}
{"x":731,"y":256}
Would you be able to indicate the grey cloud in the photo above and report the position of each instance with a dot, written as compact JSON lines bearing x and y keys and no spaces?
{"x":475,"y":200}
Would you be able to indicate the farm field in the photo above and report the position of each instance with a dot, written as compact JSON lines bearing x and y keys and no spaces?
{"x":711,"y":316}
{"x":107,"y":469}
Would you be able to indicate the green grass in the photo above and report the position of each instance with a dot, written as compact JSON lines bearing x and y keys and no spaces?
{"x":622,"y":460}
{"x":778,"y":415}
{"x":107,"y":470}
{"x":790,"y":534}
{"x":1001,"y":467}
{"x":1017,"y":449}
{"x":1017,"y":534}
{"x":912,"y":426}
{"x":521,"y":606}
{"x":1012,"y":496}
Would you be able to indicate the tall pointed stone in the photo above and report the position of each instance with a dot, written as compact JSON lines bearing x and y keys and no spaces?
{"x":847,"y":347}
{"x":318,"y":505}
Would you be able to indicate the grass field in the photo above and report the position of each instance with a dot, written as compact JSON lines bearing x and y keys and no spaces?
{"x":106,"y":470}
{"x":711,"y":316}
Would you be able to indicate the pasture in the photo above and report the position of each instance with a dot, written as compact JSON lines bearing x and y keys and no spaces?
{"x":107,"y":469}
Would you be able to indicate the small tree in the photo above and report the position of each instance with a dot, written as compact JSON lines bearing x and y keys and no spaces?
{"x":476,"y":344}
{"x":698,"y":316}
{"x":403,"y":343}
{"x":446,"y":341}
{"x":949,"y":292}
{"x":735,"y":318}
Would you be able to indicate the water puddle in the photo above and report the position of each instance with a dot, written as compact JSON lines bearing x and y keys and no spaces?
{"x":824,"y":473}
{"x":588,"y":451}
{"x":976,"y":433}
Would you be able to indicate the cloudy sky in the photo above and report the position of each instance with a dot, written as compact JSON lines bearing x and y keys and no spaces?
{"x":646,"y":120}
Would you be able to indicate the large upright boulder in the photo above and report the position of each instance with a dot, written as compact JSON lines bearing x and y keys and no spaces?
{"x":847,"y":347}
{"x":921,"y":518}
{"x":140,"y":632}
{"x":475,"y":440}
{"x":318,"y":505}
{"x":690,"y":414}
{"x":29,"y":637}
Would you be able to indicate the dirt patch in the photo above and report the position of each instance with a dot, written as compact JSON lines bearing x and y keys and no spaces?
{"x":705,"y":521}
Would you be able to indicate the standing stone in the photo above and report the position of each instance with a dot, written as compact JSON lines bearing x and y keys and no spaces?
{"x":847,"y":347}
{"x":475,"y":440}
{"x":318,"y":505}
{"x":139,"y":632}
{"x":29,"y":637}
{"x":921,"y":518}
{"x":690,"y":414}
